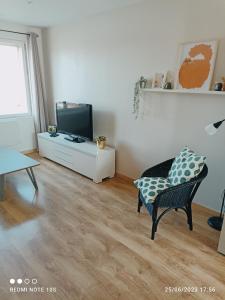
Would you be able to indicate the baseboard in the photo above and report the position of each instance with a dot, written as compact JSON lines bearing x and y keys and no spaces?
{"x":29,"y":151}
{"x":125,"y":178}
{"x":206,"y":208}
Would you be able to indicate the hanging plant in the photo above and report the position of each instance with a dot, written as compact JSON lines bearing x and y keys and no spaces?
{"x":139,"y":85}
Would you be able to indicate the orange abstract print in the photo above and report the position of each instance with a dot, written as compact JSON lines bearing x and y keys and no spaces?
{"x":193,"y":71}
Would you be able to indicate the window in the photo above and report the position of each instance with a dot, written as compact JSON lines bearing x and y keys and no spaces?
{"x":14,"y":93}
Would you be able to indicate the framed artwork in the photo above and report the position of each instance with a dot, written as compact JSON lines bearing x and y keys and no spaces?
{"x":158,"y":80}
{"x":196,"y":65}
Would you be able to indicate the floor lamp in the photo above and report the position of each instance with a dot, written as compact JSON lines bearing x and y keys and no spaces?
{"x":216,"y":222}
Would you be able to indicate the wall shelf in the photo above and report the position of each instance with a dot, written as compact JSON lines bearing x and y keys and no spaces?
{"x":174,"y":91}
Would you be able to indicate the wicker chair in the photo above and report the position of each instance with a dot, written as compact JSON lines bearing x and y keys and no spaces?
{"x":179,"y":196}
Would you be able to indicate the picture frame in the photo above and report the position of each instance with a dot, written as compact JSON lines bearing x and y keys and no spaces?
{"x":196,"y":63}
{"x":157,"y":80}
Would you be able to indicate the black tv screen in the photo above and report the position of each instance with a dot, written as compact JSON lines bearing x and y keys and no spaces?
{"x":75,"y":119}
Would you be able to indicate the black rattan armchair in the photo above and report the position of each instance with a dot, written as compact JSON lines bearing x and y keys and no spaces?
{"x":179,"y":196}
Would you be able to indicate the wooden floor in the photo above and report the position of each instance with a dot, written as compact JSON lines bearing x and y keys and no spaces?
{"x":88,"y":242}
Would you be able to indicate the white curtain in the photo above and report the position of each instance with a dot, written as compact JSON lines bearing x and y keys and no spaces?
{"x":38,"y":99}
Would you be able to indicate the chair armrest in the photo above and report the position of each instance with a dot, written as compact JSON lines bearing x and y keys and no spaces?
{"x":179,"y":194}
{"x":160,"y":170}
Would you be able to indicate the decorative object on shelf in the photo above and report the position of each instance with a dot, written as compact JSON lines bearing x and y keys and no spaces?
{"x":218,"y":86}
{"x":149,"y":83}
{"x":139,"y":85}
{"x":223,"y":87}
{"x":168,"y":80}
{"x":216,"y":222}
{"x":101,"y":141}
{"x":196,"y":65}
{"x":158,"y":80}
{"x":52,"y":130}
{"x":143,"y":82}
{"x":168,"y":86}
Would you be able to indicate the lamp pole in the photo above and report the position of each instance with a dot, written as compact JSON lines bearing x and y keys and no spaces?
{"x":216,"y":222}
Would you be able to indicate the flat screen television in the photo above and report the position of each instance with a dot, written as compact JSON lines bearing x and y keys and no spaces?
{"x":75,"y":119}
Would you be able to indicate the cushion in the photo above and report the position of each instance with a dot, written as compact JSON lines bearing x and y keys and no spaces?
{"x":179,"y":158}
{"x":186,"y":166}
{"x":150,"y":187}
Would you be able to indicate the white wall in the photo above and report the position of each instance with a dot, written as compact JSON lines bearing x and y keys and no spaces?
{"x":99,"y":60}
{"x":19,"y":133}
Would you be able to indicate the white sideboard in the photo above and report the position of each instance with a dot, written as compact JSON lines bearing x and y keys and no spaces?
{"x":221,"y":247}
{"x":84,"y":158}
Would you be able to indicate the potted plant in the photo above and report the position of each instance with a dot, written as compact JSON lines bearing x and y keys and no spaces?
{"x":139,"y":85}
{"x":52,"y":130}
{"x":101,"y":142}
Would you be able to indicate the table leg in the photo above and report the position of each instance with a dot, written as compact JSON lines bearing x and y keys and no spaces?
{"x":2,"y":187}
{"x":32,"y":177}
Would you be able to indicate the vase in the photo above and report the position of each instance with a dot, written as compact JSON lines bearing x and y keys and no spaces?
{"x":101,"y":144}
{"x":218,"y":86}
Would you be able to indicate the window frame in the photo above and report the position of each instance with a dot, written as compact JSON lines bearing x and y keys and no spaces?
{"x":9,"y":41}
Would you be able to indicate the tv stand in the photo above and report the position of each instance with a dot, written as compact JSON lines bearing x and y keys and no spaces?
{"x":84,"y":158}
{"x":74,"y":139}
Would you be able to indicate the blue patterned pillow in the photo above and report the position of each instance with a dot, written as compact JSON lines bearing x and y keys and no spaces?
{"x":186,"y":166}
{"x":150,"y":187}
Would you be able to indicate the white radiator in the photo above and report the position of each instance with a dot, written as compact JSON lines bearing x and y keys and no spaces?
{"x":17,"y":133}
{"x":9,"y":132}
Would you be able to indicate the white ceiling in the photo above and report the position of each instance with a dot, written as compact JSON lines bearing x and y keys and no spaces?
{"x":46,"y":13}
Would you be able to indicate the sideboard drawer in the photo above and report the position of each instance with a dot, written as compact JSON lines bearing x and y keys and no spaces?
{"x":63,"y":153}
{"x":84,"y":164}
{"x":63,"y":161}
{"x":46,"y":149}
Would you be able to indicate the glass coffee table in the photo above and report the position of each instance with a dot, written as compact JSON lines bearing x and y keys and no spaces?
{"x":13,"y":161}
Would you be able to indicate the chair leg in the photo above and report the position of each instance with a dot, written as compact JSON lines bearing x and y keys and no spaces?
{"x":154,"y":222}
{"x":156,"y":227}
{"x":139,"y":205}
{"x":153,"y":231}
{"x":189,"y":216}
